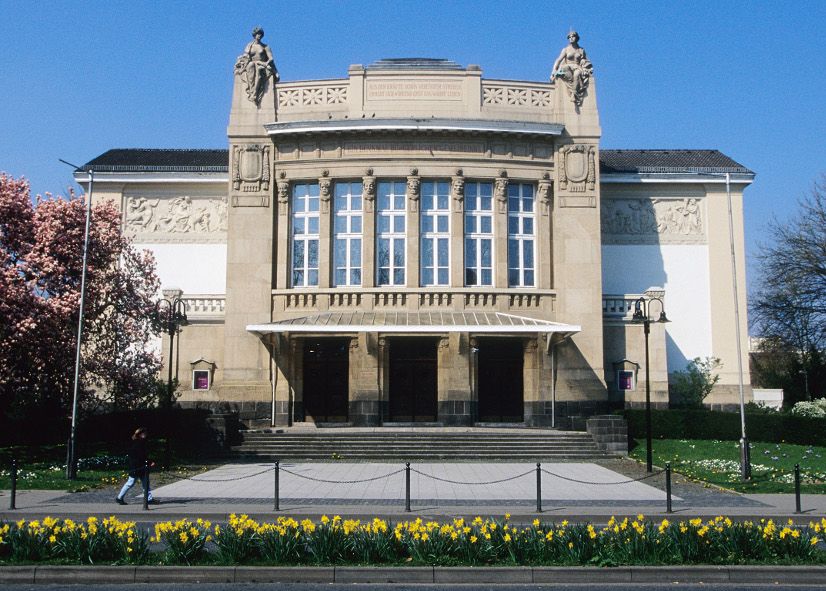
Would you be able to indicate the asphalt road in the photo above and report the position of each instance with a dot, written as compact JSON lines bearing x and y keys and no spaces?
{"x":379,"y":587}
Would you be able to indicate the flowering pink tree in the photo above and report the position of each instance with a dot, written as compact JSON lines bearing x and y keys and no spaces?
{"x":41,"y":263}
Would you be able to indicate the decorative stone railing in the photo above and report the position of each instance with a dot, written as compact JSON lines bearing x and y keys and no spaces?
{"x":314,"y":94}
{"x":507,"y":93}
{"x":619,"y":307}
{"x":461,"y":299}
{"x":204,"y":307}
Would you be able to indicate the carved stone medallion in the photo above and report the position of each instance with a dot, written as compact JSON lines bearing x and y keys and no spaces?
{"x":251,"y":168}
{"x":577,"y":168}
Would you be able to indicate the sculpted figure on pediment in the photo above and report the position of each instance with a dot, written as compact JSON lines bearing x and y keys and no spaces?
{"x":574,"y":69}
{"x":255,"y":66}
{"x":221,"y":209}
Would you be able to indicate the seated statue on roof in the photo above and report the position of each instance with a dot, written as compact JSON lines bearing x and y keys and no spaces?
{"x":573,"y":68}
{"x":255,"y":66}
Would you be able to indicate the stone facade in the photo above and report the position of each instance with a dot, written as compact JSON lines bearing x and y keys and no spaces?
{"x":470,"y":168}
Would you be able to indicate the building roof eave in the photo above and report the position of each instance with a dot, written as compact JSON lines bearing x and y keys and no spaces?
{"x":526,"y":128}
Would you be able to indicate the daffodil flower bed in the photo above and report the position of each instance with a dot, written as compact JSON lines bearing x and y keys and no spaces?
{"x":457,"y":542}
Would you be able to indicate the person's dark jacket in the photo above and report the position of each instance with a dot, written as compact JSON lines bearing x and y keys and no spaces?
{"x":138,"y":456}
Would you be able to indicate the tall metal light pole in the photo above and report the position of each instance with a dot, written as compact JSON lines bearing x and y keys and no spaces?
{"x":745,"y":451}
{"x":642,"y":309}
{"x":172,"y":316}
{"x":71,"y":456}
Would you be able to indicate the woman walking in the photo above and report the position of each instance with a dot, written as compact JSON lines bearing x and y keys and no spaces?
{"x":139,"y":465}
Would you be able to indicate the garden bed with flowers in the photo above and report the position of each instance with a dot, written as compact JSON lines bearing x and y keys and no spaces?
{"x":477,"y":542}
{"x":718,"y":462}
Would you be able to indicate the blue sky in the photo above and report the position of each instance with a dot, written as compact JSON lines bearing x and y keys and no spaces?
{"x":746,"y":78}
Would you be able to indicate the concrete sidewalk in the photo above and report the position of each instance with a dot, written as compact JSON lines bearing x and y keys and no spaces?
{"x":574,"y":491}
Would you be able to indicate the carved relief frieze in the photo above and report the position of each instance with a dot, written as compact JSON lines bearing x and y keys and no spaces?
{"x":544,"y":193}
{"x":457,"y":191}
{"x":652,"y":221}
{"x":414,"y":186}
{"x":251,"y":168}
{"x":176,"y":218}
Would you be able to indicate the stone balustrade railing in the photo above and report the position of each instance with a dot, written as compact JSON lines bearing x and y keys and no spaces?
{"x":509,"y":93}
{"x":314,"y":94}
{"x":201,"y":307}
{"x":411,"y":299}
{"x":619,"y":307}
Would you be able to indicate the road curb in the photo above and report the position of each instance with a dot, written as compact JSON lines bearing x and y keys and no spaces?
{"x":766,"y":575}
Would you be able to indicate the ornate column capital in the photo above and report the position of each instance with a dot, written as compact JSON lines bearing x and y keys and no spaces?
{"x":457,"y":191}
{"x":324,"y":190}
{"x":283,"y":186}
{"x":544,"y":193}
{"x":500,"y":191}
{"x":414,"y":187}
{"x":369,"y":190}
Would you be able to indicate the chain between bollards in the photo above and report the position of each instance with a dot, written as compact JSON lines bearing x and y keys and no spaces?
{"x":797,"y":508}
{"x":538,"y":487}
{"x":145,"y":482}
{"x":13,"y":496}
{"x":668,"y":487}
{"x":276,"y":494}
{"x":407,"y":487}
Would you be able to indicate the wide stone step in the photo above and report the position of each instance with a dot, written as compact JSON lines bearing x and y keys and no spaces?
{"x":417,"y":445}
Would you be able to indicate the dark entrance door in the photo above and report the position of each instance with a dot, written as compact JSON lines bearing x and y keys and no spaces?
{"x":500,"y":386}
{"x":412,"y":380}
{"x":326,"y":380}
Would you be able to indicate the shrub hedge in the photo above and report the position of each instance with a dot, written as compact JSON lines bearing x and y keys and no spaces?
{"x":707,"y":424}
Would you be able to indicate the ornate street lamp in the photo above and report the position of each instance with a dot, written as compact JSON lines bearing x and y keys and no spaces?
{"x":171,"y":315}
{"x":642,"y":310}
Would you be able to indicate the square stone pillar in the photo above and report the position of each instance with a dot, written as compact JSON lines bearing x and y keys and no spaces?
{"x":364,"y":391}
{"x":456,"y":405}
{"x":414,"y":187}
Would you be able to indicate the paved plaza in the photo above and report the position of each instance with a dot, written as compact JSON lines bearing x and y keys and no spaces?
{"x":574,"y":491}
{"x":431,"y":483}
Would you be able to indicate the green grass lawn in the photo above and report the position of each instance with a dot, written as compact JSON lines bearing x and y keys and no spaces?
{"x":718,"y":463}
{"x":44,"y":468}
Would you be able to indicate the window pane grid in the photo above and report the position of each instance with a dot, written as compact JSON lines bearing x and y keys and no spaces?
{"x":304,"y":235}
{"x":478,"y":234}
{"x":435,"y":233}
{"x":347,"y":224}
{"x":521,"y":242}
{"x":391,"y":228}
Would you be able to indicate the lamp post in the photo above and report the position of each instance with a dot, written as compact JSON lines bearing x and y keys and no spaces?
{"x":805,"y":374}
{"x":171,"y":314}
{"x":642,"y":310}
{"x":71,"y":456}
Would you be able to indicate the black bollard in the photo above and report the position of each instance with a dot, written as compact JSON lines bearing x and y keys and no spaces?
{"x":276,"y":494}
{"x":407,"y":487}
{"x":13,"y":497}
{"x":145,"y":481}
{"x":668,"y":487}
{"x":797,"y":489}
{"x":538,"y":487}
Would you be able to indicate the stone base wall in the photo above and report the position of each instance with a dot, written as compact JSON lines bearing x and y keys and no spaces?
{"x":571,"y":415}
{"x":610,"y":433}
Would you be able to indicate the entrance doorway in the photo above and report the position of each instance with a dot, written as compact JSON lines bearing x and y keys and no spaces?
{"x":413,"y":380}
{"x":500,"y":383}
{"x":326,"y":380}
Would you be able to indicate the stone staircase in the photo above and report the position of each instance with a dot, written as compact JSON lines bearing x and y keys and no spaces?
{"x":421,"y":444}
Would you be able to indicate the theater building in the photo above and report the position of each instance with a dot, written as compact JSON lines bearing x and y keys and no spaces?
{"x":417,"y":244}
